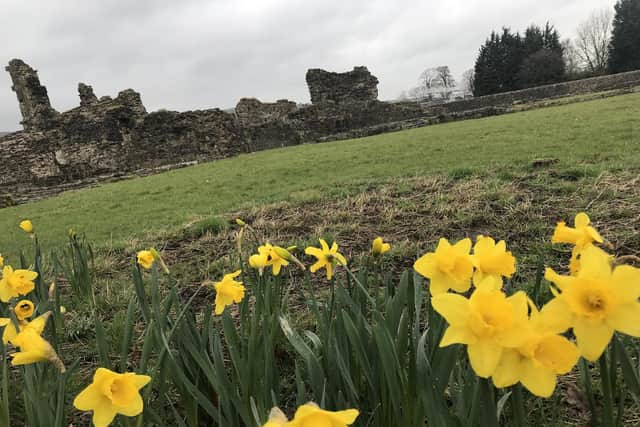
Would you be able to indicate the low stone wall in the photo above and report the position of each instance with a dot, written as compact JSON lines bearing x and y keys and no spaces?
{"x":108,"y":139}
{"x":576,"y":87}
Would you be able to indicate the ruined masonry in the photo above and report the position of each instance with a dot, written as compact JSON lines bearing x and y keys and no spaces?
{"x":108,"y":138}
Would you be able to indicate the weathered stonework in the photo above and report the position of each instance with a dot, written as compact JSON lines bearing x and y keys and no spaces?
{"x":114,"y":138}
{"x":87,"y":97}
{"x":32,"y":96}
{"x":352,"y":86}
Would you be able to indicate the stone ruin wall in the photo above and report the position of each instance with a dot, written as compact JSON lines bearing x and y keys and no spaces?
{"x":111,"y":138}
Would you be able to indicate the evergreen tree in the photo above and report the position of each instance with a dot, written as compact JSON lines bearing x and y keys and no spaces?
{"x":624,"y":49}
{"x":509,"y":61}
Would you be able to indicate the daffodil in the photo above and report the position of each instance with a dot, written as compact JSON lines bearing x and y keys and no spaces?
{"x":26,"y":226}
{"x":310,"y":415}
{"x":449,"y":267}
{"x":228,"y":291}
{"x":146,"y":259}
{"x":36,"y":324}
{"x":276,"y":419}
{"x":15,"y":283}
{"x":24,"y":309}
{"x":597,"y":301}
{"x":492,"y":261}
{"x":268,"y":256}
{"x":1,"y":261}
{"x":326,"y":257}
{"x":111,"y":394}
{"x":537,"y":363}
{"x":34,"y":348}
{"x":582,"y":236}
{"x":487,"y":322}
{"x":379,"y":247}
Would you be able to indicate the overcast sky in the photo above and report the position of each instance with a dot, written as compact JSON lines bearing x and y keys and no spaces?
{"x":190,"y":54}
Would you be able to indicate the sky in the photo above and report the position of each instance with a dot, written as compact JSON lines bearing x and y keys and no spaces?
{"x":197,"y":54}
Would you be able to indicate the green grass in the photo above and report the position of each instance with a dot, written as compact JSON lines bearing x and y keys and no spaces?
{"x":586,"y":138}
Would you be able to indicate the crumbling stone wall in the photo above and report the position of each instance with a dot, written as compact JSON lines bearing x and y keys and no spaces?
{"x":87,"y":97}
{"x":358,"y":85}
{"x":106,"y":138}
{"x":34,"y":102}
{"x":252,"y":112}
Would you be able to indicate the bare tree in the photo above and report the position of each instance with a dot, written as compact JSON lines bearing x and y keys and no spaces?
{"x":592,"y":41}
{"x":468,"y":81}
{"x":435,"y":81}
{"x":572,"y":61}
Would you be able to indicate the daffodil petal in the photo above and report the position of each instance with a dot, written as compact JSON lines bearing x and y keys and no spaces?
{"x":457,"y":335}
{"x":626,"y":319}
{"x":592,"y":337}
{"x":538,"y":380}
{"x":454,"y":308}
{"x":508,"y":370}
{"x":626,"y":282}
{"x":484,"y":357}
{"x":88,"y":398}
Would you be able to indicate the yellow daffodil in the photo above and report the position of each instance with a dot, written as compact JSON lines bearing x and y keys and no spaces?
{"x":36,"y":324}
{"x":268,"y":256}
{"x":493,"y":261}
{"x":34,"y":348}
{"x":487,"y":323}
{"x":26,"y":226}
{"x":111,"y":394}
{"x":146,"y":259}
{"x":1,"y":261}
{"x":228,"y":291}
{"x":24,"y":309}
{"x":15,"y":283}
{"x":597,"y":301}
{"x":582,"y":235}
{"x":537,"y":363}
{"x":379,"y":247}
{"x":310,"y":415}
{"x":326,"y":257}
{"x":449,"y":267}
{"x":276,"y":419}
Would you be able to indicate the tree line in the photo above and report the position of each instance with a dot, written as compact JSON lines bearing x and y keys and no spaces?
{"x":603,"y":44}
{"x":607,"y":42}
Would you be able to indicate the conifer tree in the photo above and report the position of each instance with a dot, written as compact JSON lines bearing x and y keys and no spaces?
{"x":624,"y":49}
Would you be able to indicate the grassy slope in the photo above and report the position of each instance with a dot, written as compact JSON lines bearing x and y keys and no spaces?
{"x":602,"y":134}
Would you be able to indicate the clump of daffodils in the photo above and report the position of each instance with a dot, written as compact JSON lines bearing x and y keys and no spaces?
{"x":507,"y":338}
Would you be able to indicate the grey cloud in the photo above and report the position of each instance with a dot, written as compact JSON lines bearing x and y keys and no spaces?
{"x":193,"y":54}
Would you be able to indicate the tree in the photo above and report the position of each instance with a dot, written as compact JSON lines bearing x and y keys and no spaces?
{"x":572,"y":64}
{"x":592,"y":41}
{"x":542,"y":67}
{"x":624,"y":49}
{"x":544,"y":61}
{"x":499,"y":65}
{"x":434,"y":82}
{"x":468,"y":81}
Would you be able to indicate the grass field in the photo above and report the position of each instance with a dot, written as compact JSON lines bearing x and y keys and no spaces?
{"x":586,"y":138}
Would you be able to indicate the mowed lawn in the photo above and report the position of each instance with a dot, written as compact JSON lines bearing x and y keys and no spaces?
{"x":601,"y":135}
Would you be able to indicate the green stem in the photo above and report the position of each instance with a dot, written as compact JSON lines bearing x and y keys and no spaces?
{"x":588,"y":387}
{"x":607,"y":411}
{"x":519,"y":414}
